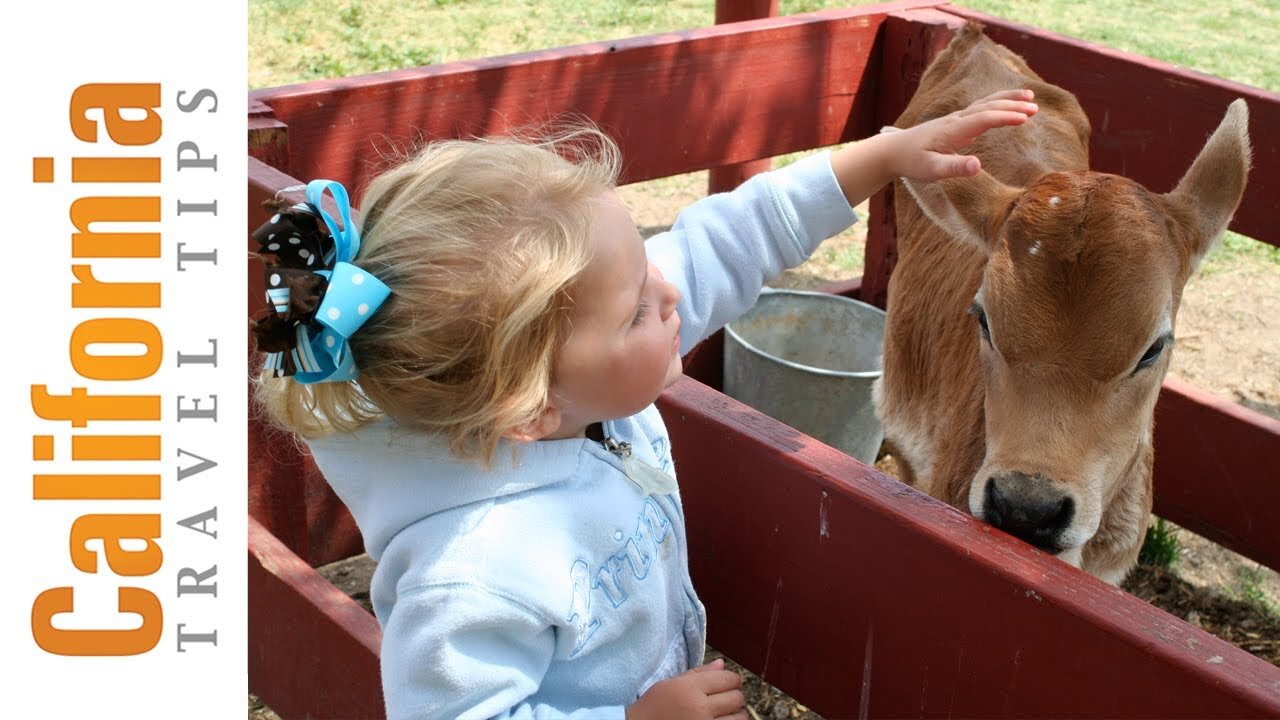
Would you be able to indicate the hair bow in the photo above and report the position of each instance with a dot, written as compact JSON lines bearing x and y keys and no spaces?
{"x":316,"y":298}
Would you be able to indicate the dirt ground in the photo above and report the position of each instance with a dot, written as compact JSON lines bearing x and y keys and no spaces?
{"x":1228,"y":342}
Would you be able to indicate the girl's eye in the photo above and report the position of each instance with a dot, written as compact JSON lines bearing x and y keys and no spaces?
{"x":640,"y":313}
{"x":1151,"y":355}
{"x":976,"y":309}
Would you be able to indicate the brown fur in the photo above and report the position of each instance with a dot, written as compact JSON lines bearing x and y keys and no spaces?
{"x":1079,"y":272}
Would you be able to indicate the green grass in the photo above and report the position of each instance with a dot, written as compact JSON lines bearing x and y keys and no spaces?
{"x":297,"y":40}
{"x":1161,"y":547}
{"x":1238,"y":40}
{"x":1236,"y":251}
{"x":1249,"y":581}
{"x":293,"y":41}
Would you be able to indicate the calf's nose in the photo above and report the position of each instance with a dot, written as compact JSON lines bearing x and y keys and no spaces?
{"x":1029,"y":507}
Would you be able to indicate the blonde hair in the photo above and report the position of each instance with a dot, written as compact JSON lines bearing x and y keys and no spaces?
{"x":480,"y":242}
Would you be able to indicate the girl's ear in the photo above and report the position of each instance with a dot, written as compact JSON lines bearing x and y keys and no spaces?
{"x":536,"y":429}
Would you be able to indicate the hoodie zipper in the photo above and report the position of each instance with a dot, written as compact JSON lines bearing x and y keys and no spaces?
{"x":621,"y":449}
{"x":649,"y":479}
{"x":653,"y":481}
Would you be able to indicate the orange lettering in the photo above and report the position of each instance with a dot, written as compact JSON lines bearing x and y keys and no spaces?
{"x":60,"y":600}
{"x":116,"y":331}
{"x":111,"y":98}
{"x":87,"y":211}
{"x":111,"y":529}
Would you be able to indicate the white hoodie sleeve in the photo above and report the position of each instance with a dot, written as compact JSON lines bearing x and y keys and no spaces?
{"x":459,"y":652}
{"x":723,"y":248}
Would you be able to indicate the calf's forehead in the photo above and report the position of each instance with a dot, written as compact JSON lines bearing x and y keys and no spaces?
{"x":1083,"y":272}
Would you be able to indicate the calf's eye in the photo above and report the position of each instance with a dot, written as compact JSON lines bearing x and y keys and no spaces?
{"x":976,"y":309}
{"x":1151,"y":355}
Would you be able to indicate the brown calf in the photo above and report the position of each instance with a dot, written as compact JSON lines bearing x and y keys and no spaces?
{"x":1031,"y":315}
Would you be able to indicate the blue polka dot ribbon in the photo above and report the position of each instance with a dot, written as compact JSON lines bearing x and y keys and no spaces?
{"x":318,"y":299}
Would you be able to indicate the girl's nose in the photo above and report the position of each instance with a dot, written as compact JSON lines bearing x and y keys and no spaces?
{"x":669,"y":294}
{"x":670,"y":298}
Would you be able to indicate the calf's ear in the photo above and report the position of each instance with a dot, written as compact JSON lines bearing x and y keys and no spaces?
{"x":965,"y":208}
{"x":1207,"y":196}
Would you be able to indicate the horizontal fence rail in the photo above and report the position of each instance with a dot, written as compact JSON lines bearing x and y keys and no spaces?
{"x":676,"y":102}
{"x":864,"y":598}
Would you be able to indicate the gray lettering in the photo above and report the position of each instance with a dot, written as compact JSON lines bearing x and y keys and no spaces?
{"x":201,"y":95}
{"x":198,"y":586}
{"x":194,"y":412}
{"x":211,"y":256}
{"x":210,"y":359}
{"x":205,"y":464}
{"x":200,"y":162}
{"x":209,"y":207}
{"x":197,"y":522}
{"x":184,"y":637}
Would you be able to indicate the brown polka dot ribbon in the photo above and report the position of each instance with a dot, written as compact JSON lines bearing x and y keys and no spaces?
{"x":316,"y":297}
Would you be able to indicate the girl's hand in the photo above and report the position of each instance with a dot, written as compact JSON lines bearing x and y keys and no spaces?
{"x":703,"y":693}
{"x":927,"y":151}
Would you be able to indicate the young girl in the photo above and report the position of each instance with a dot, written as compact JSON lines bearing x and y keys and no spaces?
{"x":491,"y":424}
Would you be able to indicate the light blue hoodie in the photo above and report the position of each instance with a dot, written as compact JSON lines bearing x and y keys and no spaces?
{"x":558,"y":587}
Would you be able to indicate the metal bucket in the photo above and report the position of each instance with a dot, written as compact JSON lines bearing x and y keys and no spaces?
{"x":809,"y":359}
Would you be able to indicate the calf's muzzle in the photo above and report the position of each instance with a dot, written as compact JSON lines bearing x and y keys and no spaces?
{"x":1029,"y":507}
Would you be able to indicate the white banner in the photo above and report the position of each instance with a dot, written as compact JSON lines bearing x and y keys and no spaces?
{"x":124,"y":383}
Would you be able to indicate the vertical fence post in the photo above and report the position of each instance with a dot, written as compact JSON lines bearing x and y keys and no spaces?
{"x":729,"y":177}
{"x":268,"y":137}
{"x":913,"y":38}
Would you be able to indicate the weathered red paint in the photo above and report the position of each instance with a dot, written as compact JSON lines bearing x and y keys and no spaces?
{"x":728,"y":177}
{"x":268,"y":137}
{"x":676,"y":102}
{"x":313,"y":650}
{"x":1217,"y":470}
{"x":911,"y":39}
{"x":862,"y":597}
